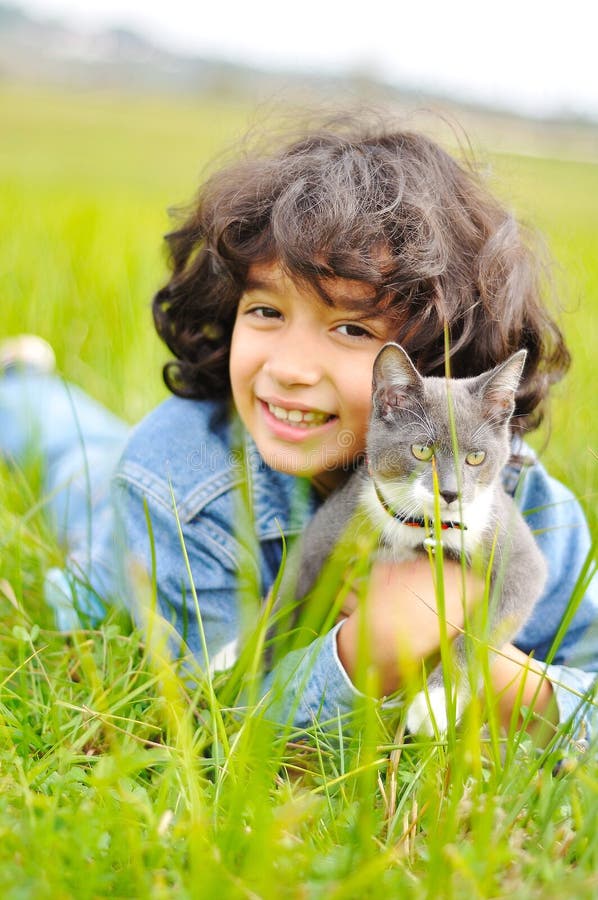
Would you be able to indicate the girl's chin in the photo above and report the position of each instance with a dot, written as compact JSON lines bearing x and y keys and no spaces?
{"x":324,"y":470}
{"x":298,"y":464}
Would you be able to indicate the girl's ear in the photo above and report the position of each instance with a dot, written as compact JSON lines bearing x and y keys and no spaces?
{"x":499,"y":387}
{"x":395,"y":380}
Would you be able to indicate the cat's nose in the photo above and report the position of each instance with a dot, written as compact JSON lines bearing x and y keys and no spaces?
{"x":449,"y":496}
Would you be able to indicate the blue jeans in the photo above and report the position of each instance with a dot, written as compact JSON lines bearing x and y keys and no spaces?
{"x":79,"y":443}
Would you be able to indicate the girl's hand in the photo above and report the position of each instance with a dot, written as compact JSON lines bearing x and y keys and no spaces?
{"x":402,"y":628}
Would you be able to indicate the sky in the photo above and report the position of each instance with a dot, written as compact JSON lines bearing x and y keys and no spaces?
{"x":534,"y":57}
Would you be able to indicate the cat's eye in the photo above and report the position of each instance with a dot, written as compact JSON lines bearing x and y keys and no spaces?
{"x":475,"y":458}
{"x":423,"y":452}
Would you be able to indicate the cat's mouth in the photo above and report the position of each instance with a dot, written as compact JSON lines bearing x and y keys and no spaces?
{"x":405,"y":508}
{"x":448,"y":518}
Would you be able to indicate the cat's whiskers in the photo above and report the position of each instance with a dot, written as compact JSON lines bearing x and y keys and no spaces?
{"x":482,"y":429}
{"x":423,"y":419}
{"x":494,"y":419}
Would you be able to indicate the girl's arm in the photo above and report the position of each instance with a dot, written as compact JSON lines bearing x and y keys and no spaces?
{"x":520,"y":684}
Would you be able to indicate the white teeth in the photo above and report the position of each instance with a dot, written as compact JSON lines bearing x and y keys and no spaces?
{"x":298,"y":416}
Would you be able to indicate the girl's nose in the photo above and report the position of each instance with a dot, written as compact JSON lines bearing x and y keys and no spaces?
{"x":294,"y":365}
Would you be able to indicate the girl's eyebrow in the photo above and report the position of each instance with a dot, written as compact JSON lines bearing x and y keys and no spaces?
{"x":260,"y":284}
{"x":364,"y":307}
{"x":360,"y":305}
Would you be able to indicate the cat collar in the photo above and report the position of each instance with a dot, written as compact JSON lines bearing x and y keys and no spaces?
{"x":413,"y":521}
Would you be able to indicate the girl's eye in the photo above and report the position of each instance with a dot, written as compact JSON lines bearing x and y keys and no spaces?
{"x":475,"y":458}
{"x":423,"y":452}
{"x":354,"y":330}
{"x":264,"y":312}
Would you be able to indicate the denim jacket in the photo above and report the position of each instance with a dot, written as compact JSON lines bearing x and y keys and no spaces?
{"x":185,"y":450}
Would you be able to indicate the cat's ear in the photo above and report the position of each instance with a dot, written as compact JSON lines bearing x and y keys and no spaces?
{"x":395,"y":380}
{"x":499,"y":387}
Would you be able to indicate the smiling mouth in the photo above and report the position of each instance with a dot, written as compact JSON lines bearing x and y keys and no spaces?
{"x":299,"y":417}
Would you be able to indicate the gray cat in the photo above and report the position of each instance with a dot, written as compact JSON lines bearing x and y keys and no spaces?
{"x":409,"y":436}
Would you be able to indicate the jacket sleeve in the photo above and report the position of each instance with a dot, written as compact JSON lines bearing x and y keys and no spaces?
{"x":306,"y":685}
{"x":563,"y":628}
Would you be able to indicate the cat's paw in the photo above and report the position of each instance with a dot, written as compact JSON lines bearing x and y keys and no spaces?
{"x":423,"y":708}
{"x":427,"y":714}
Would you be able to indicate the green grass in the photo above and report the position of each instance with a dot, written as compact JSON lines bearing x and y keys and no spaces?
{"x":116,"y":781}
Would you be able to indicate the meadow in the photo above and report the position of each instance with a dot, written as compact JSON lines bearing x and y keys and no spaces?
{"x":115,"y":780}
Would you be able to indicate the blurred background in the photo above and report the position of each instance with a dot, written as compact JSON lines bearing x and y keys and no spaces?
{"x":111,"y":112}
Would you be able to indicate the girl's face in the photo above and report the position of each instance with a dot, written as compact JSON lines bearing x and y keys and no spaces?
{"x":301,"y":371}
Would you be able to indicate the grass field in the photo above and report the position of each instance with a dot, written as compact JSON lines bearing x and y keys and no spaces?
{"x":115,"y":783}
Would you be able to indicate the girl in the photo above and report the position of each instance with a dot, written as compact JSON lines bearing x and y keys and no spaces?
{"x":291,"y":270}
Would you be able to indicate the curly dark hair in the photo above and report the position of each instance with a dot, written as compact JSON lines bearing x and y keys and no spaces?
{"x":358,"y":199}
